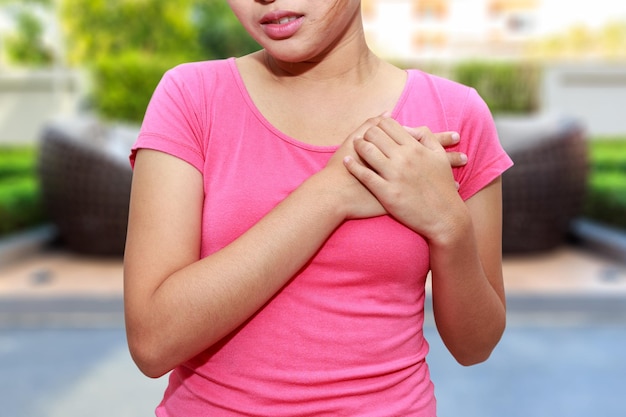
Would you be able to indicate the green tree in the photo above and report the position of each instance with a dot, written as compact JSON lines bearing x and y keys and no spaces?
{"x":191,"y":29}
{"x":26,"y":2}
{"x":26,"y":46}
{"x":128,"y":44}
{"x":613,"y":40}
{"x":220,"y":33}
{"x":101,"y":28}
{"x":579,"y":42}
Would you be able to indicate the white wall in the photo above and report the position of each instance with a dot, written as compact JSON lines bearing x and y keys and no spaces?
{"x":30,"y":98}
{"x":595,"y":93}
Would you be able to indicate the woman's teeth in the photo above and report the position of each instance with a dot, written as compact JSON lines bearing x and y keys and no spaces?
{"x":284,"y":20}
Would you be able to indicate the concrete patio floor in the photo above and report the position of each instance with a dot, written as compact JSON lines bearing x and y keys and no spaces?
{"x":63,"y":349}
{"x":53,"y":285}
{"x":54,"y":272}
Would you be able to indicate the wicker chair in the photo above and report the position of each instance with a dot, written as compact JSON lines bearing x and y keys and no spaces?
{"x":544,"y":192}
{"x":85,"y":181}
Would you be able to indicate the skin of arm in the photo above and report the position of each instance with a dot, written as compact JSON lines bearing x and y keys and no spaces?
{"x":414,"y":182}
{"x":467,"y":283}
{"x":176,"y":304}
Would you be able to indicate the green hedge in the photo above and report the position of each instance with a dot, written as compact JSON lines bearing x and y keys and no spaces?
{"x":608,"y":154}
{"x":16,"y":161}
{"x":20,"y":197}
{"x":606,"y":193}
{"x":506,"y":87}
{"x":606,"y":199}
{"x":20,"y":204}
{"x":123,"y":85}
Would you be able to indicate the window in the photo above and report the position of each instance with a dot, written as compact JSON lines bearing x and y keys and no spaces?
{"x":431,"y":9}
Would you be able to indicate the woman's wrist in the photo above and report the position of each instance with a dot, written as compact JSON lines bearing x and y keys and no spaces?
{"x":454,"y":226}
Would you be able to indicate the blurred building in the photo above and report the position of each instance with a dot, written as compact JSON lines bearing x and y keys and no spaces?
{"x":578,"y":81}
{"x":460,"y":29}
{"x":450,"y":29}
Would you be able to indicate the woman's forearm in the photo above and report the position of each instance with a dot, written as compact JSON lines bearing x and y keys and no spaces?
{"x":469,"y":313}
{"x":201,"y":303}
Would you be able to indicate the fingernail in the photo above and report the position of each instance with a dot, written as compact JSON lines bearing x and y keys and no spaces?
{"x":456,"y":137}
{"x":386,"y":114}
{"x":463,"y":158}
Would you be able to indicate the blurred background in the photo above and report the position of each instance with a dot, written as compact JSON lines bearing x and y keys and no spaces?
{"x":541,"y":67}
{"x":77,"y":75}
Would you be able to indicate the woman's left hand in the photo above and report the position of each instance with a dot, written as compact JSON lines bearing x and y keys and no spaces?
{"x":410,"y":173}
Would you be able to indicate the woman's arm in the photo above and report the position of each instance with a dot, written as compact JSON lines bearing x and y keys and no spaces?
{"x":177,"y":305}
{"x":467,"y":284}
{"x":413,"y":181}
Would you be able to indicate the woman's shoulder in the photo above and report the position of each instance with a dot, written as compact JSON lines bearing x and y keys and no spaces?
{"x":200,"y":71}
{"x":213,"y":64}
{"x":443,"y":86}
{"x":453,"y":96}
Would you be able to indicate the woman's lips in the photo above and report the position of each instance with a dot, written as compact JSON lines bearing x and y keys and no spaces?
{"x":281,"y":25}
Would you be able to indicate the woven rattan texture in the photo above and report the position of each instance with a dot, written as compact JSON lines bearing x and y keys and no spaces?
{"x":544,"y":191}
{"x":85,"y":191}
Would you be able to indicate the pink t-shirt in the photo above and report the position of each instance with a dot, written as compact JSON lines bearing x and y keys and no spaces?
{"x":344,"y":336}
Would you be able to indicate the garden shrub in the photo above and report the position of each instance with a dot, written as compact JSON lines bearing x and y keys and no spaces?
{"x":608,"y":154}
{"x":20,"y":204}
{"x":94,"y":29}
{"x":17,"y":161}
{"x":220,"y":34}
{"x":123,"y":85}
{"x":606,"y":199}
{"x":606,"y":194}
{"x":506,"y":87}
{"x":27,"y":45}
{"x":20,"y":197}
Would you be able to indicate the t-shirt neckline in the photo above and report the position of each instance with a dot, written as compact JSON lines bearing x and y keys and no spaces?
{"x":287,"y":138}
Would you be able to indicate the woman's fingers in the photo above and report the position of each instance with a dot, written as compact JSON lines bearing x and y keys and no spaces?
{"x":368,"y":177}
{"x":369,"y":124}
{"x":456,"y":159}
{"x":406,"y":168}
{"x":444,"y":139}
{"x":383,"y":140}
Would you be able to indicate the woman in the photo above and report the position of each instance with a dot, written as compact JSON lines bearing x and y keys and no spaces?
{"x":280,"y":232}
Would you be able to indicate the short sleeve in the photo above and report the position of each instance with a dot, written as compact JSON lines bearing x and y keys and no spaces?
{"x":479,"y":140}
{"x":174,"y":119}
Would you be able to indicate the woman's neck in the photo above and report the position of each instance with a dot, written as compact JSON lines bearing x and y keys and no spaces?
{"x":350,"y":62}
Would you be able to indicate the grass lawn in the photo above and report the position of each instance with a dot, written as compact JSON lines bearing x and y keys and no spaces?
{"x":606,"y":193}
{"x":20,"y":197}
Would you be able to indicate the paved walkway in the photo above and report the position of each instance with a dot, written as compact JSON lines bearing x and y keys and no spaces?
{"x":567,"y":272}
{"x":63,"y":349}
